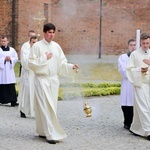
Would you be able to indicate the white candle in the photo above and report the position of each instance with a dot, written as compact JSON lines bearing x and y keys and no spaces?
{"x":137,"y":39}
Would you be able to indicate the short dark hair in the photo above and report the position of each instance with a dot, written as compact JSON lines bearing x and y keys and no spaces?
{"x":144,"y":36}
{"x":31,"y":31}
{"x":4,"y":36}
{"x":48,"y":26}
{"x":33,"y":37}
{"x":131,"y":40}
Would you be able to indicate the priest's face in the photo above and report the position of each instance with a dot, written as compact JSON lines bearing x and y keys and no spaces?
{"x":49,"y":35}
{"x":33,"y":41}
{"x":131,"y":46}
{"x":145,"y":44}
{"x":4,"y":41}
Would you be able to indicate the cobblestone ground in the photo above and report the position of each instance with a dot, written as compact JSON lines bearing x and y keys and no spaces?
{"x":103,"y":131}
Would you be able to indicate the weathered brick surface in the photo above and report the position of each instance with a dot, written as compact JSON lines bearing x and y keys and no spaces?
{"x":28,"y":11}
{"x":78,"y":22}
{"x":5,"y":17}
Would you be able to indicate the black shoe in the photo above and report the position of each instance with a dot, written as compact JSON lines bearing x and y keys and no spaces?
{"x":14,"y":104}
{"x":134,"y":133}
{"x":126,"y":127}
{"x":51,"y":141}
{"x":22,"y":115}
{"x":148,"y":137}
{"x":41,"y":136}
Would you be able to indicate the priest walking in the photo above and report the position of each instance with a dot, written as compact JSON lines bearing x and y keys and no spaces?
{"x":139,"y":74}
{"x":26,"y":88}
{"x":48,"y":62}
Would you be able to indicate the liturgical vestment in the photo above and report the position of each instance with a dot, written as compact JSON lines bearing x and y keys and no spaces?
{"x":141,"y":82}
{"x":126,"y":96}
{"x":26,"y":87}
{"x":47,"y":74}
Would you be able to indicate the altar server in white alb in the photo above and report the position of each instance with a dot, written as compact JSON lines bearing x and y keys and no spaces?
{"x":8,"y":59}
{"x":26,"y":88}
{"x":139,"y":74}
{"x":26,"y":45}
{"x":48,"y":62}
{"x":126,"y":96}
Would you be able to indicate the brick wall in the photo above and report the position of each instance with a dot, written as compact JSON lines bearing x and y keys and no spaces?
{"x":78,"y":25}
{"x":26,"y":12}
{"x":29,"y":11}
{"x":78,"y":22}
{"x":5,"y":18}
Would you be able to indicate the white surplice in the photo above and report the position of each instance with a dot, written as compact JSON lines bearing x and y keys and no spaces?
{"x":7,"y":74}
{"x":126,"y":95}
{"x":26,"y":87}
{"x":141,"y":82}
{"x":47,"y":85}
{"x":25,"y":46}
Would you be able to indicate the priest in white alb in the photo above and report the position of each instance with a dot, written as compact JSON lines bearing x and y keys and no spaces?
{"x":26,"y":87}
{"x":26,"y":45}
{"x":48,"y":62}
{"x":138,"y":73}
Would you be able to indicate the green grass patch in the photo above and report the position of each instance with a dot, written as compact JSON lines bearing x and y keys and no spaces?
{"x":99,"y":71}
{"x":88,"y":90}
{"x":17,"y":69}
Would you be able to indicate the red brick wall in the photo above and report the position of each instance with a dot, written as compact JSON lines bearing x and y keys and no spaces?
{"x":5,"y":17}
{"x":121,"y":19}
{"x":28,"y":10}
{"x":77,"y":22}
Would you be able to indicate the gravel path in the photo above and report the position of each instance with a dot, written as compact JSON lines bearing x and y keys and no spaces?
{"x":103,"y":131}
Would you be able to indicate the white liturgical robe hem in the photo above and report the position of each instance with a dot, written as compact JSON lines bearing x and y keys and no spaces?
{"x":46,"y":99}
{"x":141,"y":119}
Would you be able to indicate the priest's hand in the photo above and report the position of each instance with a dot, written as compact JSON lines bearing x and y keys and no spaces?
{"x":144,"y":70}
{"x":7,"y":58}
{"x":146,"y":61}
{"x":76,"y":68}
{"x":48,"y":55}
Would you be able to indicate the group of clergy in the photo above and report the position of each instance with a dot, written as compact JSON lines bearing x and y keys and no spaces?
{"x":42,"y":65}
